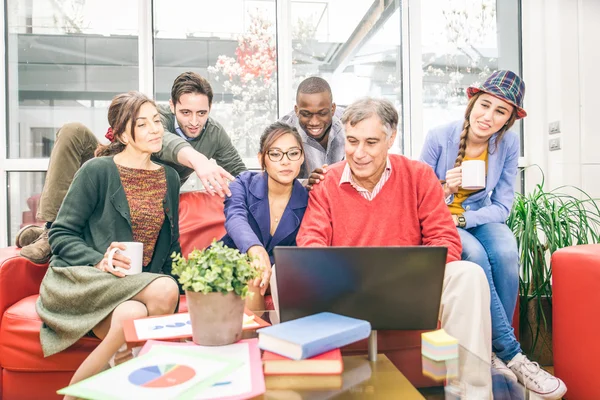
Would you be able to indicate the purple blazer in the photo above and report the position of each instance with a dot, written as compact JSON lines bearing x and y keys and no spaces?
{"x":247,"y":216}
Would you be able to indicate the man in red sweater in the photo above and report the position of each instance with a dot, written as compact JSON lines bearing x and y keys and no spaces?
{"x":378,"y":199}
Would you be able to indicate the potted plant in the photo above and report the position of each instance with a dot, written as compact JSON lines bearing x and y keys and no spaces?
{"x":542,"y":222}
{"x":215,"y":283}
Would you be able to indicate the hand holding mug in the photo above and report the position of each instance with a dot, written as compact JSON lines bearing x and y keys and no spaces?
{"x":453,"y":181}
{"x":122,"y":258}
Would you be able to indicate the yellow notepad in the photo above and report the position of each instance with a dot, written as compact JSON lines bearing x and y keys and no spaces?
{"x":438,"y":345}
{"x":438,"y":338}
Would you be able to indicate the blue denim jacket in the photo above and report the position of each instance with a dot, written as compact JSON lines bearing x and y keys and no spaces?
{"x":492,"y":204}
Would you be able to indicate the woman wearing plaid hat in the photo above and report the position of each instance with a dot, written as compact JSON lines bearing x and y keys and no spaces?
{"x":480,"y":215}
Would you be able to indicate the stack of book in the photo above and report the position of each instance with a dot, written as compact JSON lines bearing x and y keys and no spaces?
{"x":305,"y":353}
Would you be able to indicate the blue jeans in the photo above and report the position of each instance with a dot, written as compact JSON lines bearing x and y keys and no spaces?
{"x":493,"y":247}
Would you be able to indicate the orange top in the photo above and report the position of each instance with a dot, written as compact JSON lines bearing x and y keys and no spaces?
{"x":462,"y":194}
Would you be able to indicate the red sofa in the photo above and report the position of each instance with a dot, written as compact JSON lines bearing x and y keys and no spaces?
{"x":575,"y":305}
{"x":25,"y":374}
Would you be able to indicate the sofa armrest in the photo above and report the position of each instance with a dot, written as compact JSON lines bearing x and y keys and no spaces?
{"x":575,"y":325}
{"x":19,"y":278}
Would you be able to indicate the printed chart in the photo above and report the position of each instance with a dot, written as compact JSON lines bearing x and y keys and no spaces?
{"x":161,"y":376}
{"x":173,"y":326}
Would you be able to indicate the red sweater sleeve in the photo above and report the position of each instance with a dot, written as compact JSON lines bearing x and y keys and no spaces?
{"x":315,"y":229}
{"x":437,"y":226}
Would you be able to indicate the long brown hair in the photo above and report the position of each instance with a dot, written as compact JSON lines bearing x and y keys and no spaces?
{"x":462,"y":144}
{"x":123,"y":111}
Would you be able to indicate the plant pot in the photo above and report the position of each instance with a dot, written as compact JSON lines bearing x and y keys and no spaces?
{"x":216,"y":318}
{"x":536,"y":337}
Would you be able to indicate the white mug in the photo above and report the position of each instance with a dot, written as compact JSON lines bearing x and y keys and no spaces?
{"x":134,"y":251}
{"x":473,"y":174}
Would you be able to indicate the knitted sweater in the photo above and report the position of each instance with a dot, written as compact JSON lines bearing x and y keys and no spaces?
{"x":408,"y":211}
{"x":145,"y":191}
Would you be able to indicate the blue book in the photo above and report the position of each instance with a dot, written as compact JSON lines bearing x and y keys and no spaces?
{"x":310,"y":336}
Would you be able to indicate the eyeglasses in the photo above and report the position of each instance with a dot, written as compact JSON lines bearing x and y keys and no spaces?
{"x":292,"y":154}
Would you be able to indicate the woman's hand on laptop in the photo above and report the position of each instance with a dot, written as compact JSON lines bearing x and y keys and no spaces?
{"x":262,"y":262}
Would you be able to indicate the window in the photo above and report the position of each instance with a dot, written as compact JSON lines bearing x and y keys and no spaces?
{"x":65,"y":56}
{"x":66,"y":60}
{"x":356,"y":49}
{"x":459,"y":49}
{"x":232,"y":44}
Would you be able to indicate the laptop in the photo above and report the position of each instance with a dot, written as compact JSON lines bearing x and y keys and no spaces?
{"x":395,"y":288}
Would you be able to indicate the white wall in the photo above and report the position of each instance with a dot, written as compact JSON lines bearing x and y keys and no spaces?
{"x":561,"y":39}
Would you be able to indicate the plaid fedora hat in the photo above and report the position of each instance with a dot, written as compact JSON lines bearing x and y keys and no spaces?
{"x":505,"y":85}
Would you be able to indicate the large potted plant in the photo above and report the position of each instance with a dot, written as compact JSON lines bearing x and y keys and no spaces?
{"x":215,"y":283}
{"x":542,"y":222}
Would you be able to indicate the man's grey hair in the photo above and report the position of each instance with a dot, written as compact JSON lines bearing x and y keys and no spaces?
{"x":366,"y":107}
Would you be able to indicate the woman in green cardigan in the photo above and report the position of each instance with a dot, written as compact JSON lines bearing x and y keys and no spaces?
{"x":119,"y":196}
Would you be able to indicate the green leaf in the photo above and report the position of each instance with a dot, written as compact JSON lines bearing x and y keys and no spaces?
{"x":218,"y":268}
{"x":543,"y":222}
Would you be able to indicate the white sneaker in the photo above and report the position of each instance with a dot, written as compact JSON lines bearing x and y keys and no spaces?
{"x":534,"y":378}
{"x":501,"y":368}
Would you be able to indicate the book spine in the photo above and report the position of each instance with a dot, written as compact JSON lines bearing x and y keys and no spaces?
{"x":361,"y":331}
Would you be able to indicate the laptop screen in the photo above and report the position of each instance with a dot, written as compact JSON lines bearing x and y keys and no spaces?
{"x":391,"y":287}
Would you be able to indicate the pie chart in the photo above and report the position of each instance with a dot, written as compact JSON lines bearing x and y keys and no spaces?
{"x":161,"y":376}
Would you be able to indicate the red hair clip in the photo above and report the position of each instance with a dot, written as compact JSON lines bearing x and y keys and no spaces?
{"x":109,"y":134}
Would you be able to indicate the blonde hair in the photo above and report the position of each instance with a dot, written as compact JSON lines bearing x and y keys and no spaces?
{"x":462,"y":144}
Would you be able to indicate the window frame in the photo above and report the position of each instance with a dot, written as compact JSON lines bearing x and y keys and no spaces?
{"x":508,"y":15}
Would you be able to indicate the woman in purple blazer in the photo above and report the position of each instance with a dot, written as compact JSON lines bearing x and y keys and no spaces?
{"x":480,"y":215}
{"x":265,"y":208}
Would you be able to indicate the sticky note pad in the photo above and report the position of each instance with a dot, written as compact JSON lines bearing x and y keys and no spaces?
{"x":438,"y":345}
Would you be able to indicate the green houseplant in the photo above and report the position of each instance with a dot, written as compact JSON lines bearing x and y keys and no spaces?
{"x":215,"y":283}
{"x":543,"y":222}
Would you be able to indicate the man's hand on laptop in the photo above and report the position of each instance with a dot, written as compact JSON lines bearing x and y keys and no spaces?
{"x":316,"y":176}
{"x":262,"y":262}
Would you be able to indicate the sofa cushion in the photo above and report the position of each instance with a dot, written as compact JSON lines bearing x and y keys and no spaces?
{"x":201,"y":219}
{"x":183,"y":308}
{"x":19,"y":385}
{"x":20,"y":348}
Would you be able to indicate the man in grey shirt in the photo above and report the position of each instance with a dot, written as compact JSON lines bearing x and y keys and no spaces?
{"x":318,"y":123}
